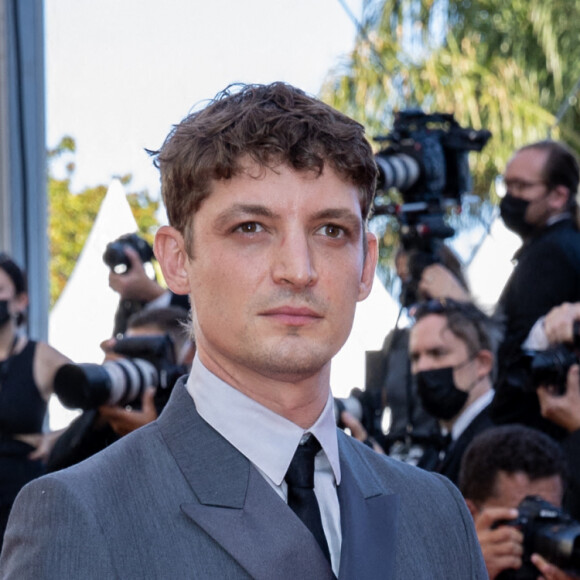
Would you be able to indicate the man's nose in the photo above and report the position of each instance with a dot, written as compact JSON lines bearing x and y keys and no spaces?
{"x":420,"y":363}
{"x":293,"y":261}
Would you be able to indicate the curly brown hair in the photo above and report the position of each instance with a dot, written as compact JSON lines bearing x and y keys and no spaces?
{"x":270,"y":125}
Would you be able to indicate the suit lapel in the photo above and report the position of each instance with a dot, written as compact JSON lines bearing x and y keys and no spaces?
{"x":235,"y":505}
{"x":368,"y":519}
{"x":449,"y":465}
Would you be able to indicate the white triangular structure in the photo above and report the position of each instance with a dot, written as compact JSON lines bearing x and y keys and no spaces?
{"x":492,"y":265}
{"x":84,"y":313}
{"x":374,"y":319}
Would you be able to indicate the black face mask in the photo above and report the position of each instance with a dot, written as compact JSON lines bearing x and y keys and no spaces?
{"x":439,"y":395}
{"x":513,"y":212}
{"x":4,"y":313}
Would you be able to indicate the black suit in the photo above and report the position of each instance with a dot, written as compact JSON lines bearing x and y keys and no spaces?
{"x":546,"y":275}
{"x":451,"y":462}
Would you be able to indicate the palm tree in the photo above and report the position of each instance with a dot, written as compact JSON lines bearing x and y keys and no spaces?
{"x":505,"y":67}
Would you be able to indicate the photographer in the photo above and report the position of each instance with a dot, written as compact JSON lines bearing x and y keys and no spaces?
{"x":127,"y":258}
{"x":451,"y":351}
{"x":388,"y":370}
{"x":499,"y":469}
{"x":98,"y":427}
{"x":558,"y":388}
{"x":27,"y":370}
{"x":541,"y":182}
{"x":168,"y":321}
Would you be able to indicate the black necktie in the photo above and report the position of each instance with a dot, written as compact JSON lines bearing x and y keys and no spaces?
{"x":301,"y":497}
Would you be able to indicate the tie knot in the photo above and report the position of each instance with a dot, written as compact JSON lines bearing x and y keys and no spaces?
{"x":301,"y":470}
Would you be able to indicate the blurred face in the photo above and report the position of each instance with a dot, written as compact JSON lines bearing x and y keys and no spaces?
{"x":277,"y":269}
{"x":512,"y":488}
{"x":524,"y":180}
{"x":16,"y":303}
{"x":433,"y":346}
{"x":7,"y":290}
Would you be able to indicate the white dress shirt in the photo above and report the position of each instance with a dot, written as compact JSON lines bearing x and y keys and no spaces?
{"x":269,"y":441}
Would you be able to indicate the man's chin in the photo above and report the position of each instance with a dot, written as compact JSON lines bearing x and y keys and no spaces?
{"x":293,"y":365}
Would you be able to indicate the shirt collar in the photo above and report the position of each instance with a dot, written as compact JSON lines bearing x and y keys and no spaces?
{"x":267,"y":439}
{"x":470,"y":413}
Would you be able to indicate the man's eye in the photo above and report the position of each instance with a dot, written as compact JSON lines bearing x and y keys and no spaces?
{"x":332,"y":231}
{"x":249,"y":228}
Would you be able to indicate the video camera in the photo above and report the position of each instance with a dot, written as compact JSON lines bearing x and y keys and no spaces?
{"x":149,"y":362}
{"x":547,"y":531}
{"x":427,"y":162}
{"x":116,"y":258}
{"x":551,"y":366}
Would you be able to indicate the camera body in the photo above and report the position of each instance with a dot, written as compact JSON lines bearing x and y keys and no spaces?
{"x":116,"y":258}
{"x":547,"y":531}
{"x":149,"y":361}
{"x":427,"y":162}
{"x":551,"y":366}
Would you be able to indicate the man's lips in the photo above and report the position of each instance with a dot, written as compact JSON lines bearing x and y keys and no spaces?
{"x":294,"y":316}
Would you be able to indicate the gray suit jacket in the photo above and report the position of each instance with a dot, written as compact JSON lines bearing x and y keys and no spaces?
{"x":175,"y":500}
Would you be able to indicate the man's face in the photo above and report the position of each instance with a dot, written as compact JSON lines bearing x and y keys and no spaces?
{"x":524,"y":180}
{"x":433,"y":346}
{"x":512,"y":488}
{"x":277,"y":269}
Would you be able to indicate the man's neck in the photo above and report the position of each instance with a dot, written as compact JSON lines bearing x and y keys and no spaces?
{"x":299,"y":399}
{"x":550,"y":221}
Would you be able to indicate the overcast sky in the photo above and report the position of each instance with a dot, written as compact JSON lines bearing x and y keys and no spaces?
{"x":120,"y":73}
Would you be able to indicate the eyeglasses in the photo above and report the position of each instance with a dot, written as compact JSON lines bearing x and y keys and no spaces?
{"x":517,"y":186}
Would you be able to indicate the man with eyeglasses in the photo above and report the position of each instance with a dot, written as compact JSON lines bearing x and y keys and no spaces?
{"x":540,"y":206}
{"x":451,"y":352}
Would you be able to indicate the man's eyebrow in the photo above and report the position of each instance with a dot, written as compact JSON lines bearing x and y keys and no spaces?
{"x":342,"y":214}
{"x":243,"y":210}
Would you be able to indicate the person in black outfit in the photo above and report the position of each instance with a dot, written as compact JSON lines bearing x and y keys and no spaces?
{"x":499,"y":469}
{"x":558,"y":405}
{"x":388,"y":372}
{"x":541,"y":181}
{"x":27,"y":370}
{"x":451,"y":351}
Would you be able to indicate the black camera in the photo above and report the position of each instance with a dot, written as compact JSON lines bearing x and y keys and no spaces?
{"x":547,"y":531}
{"x":116,"y":258}
{"x":427,"y":162}
{"x":551,"y":366}
{"x":150,"y":362}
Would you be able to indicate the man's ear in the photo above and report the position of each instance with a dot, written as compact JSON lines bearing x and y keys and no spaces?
{"x":485,"y":363}
{"x":471,"y":507}
{"x":560,"y":196}
{"x":369,"y":266}
{"x":169,"y":248}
